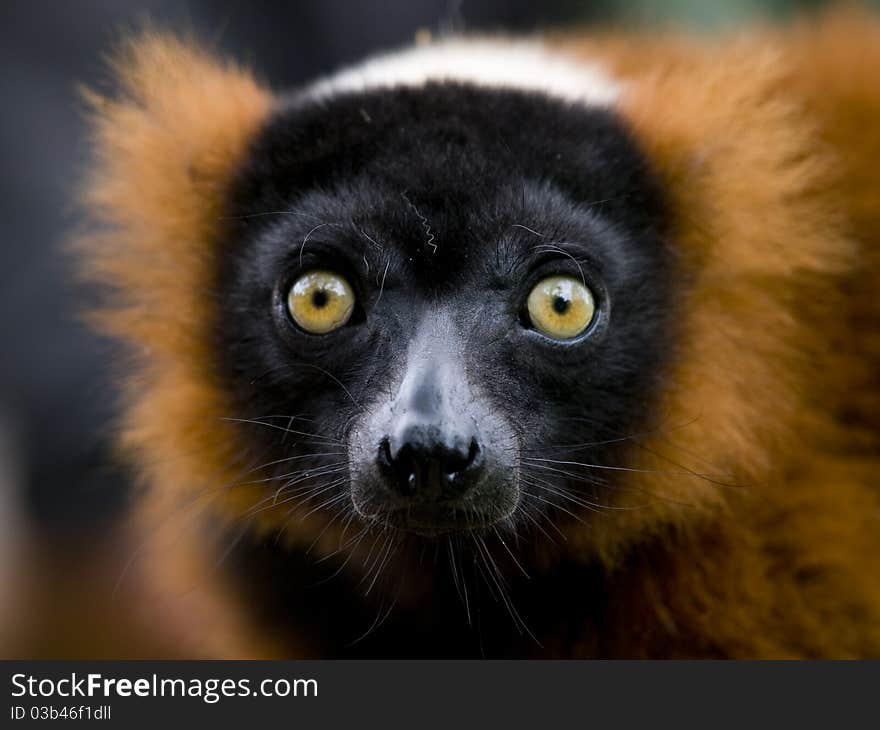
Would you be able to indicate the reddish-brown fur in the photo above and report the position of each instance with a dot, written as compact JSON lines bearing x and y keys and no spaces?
{"x":768,"y":146}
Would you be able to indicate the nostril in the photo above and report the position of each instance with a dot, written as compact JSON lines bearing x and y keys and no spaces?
{"x":460,"y":470}
{"x":455,"y":462}
{"x":401,"y":470}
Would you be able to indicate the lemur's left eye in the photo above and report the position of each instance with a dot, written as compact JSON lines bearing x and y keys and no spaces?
{"x":320,"y":301}
{"x":560,"y":307}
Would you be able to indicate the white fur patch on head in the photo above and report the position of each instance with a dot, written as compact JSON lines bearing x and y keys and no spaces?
{"x":523,"y":65}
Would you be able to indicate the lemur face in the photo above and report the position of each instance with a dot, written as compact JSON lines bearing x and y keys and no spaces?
{"x":577,"y":318}
{"x":447,"y":305}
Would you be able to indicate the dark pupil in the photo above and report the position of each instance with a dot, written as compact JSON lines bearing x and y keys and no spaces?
{"x":319,"y":298}
{"x":560,"y":305}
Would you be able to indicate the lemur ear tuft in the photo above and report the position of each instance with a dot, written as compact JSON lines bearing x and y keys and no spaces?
{"x":166,"y":144}
{"x":165,"y":147}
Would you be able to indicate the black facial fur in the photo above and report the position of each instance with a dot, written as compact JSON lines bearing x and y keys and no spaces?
{"x":443,"y":206}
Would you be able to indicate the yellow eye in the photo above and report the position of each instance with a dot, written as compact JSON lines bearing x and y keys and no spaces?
{"x":320,"y":301}
{"x":561,"y":307}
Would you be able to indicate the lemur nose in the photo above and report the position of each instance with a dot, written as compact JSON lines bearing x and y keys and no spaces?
{"x":431,"y":450}
{"x":426,"y":468}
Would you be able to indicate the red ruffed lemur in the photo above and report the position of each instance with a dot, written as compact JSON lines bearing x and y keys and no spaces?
{"x":510,"y":348}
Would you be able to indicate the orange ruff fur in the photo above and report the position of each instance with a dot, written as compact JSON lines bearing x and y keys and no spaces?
{"x":768,"y":147}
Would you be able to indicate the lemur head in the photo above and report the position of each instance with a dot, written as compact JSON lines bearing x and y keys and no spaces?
{"x":473,"y":288}
{"x":426,"y":285}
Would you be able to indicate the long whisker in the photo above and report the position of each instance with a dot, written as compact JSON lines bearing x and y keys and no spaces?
{"x":668,"y":472}
{"x":591,"y":506}
{"x":272,"y":212}
{"x":308,"y":490}
{"x":509,"y":551}
{"x":577,"y":499}
{"x":284,"y":430}
{"x":330,"y":375}
{"x":527,"y":513}
{"x":557,"y":506}
{"x":495,"y":574}
{"x":286,"y":459}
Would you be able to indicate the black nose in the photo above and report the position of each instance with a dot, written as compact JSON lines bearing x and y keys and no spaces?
{"x":426,"y":469}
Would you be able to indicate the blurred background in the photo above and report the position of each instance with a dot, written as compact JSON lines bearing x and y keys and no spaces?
{"x":59,"y":486}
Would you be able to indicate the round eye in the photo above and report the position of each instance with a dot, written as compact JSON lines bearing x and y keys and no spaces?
{"x":560,"y":307}
{"x":320,"y":301}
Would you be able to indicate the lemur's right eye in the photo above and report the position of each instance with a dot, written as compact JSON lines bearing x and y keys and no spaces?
{"x":320,"y":301}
